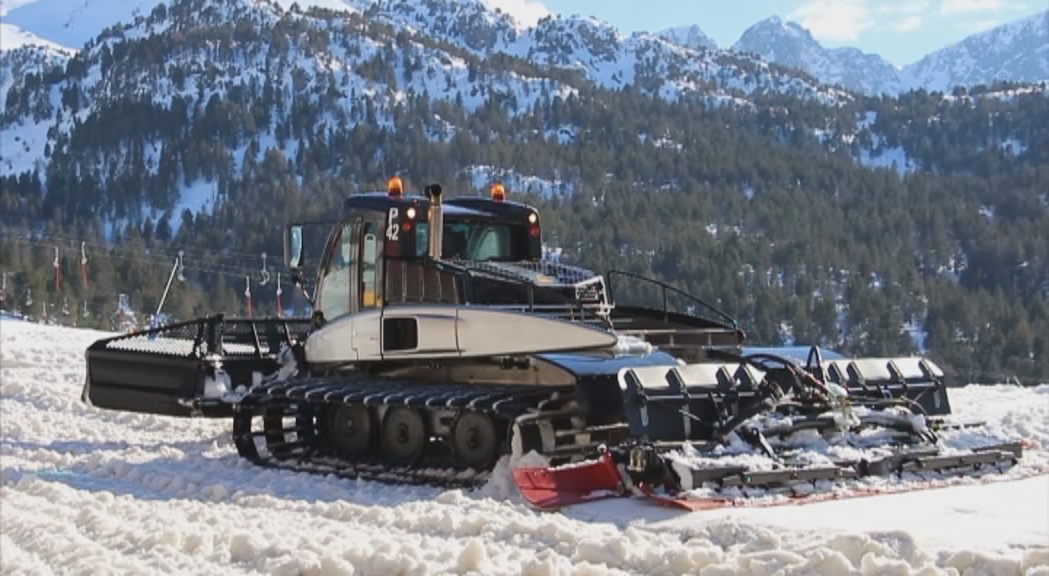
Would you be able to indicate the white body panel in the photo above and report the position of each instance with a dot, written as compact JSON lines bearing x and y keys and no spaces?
{"x":449,"y":331}
{"x":437,"y":327}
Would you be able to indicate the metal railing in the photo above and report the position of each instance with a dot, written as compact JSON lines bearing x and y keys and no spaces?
{"x":665,"y":293}
{"x":254,"y":337}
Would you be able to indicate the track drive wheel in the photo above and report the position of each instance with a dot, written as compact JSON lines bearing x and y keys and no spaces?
{"x":348,"y":428}
{"x":403,"y":435}
{"x":474,"y":441}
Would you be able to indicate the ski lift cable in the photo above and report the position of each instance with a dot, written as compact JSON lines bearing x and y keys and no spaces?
{"x":233,"y":271}
{"x":120,"y":249}
{"x":159,"y":259}
{"x":215,"y":259}
{"x":73,"y":240}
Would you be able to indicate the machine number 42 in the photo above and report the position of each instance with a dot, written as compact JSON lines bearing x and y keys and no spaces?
{"x":393,"y":229}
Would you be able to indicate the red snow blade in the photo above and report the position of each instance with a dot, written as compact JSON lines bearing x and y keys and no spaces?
{"x":553,"y":488}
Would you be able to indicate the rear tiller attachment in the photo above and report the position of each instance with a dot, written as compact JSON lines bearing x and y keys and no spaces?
{"x":711,"y":435}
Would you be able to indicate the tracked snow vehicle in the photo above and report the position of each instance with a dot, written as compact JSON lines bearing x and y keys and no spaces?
{"x":441,"y":341}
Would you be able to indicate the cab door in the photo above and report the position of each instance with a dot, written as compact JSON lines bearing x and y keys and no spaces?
{"x":338,"y":287}
{"x":366,"y":294}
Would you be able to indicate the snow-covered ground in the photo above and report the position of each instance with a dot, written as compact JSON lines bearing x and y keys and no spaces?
{"x":91,"y":491}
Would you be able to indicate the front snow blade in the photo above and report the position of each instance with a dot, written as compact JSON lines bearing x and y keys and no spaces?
{"x":184,"y":369}
{"x":554,"y":488}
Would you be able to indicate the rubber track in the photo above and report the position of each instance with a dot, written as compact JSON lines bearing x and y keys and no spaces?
{"x":379,"y":472}
{"x":504,"y":401}
{"x":507,"y":401}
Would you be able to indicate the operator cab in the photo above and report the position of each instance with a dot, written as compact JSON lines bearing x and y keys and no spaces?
{"x":383,"y":251}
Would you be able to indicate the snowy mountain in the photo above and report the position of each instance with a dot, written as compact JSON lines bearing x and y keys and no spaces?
{"x":789,"y":44}
{"x":691,"y":37}
{"x":440,"y":45}
{"x":1016,"y":52}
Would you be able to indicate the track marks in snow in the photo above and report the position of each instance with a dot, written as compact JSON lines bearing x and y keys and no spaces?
{"x":93,"y":491}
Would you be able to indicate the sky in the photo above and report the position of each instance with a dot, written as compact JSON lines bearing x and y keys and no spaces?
{"x":902,"y":31}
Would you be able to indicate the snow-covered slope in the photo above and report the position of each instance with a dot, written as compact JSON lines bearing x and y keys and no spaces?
{"x":13,"y":37}
{"x":23,"y":137}
{"x":72,"y":23}
{"x":1017,"y":52}
{"x":92,"y":491}
{"x":791,"y":45}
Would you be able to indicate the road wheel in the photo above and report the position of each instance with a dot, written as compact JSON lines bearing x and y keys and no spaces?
{"x":403,"y":435}
{"x":348,"y":428}
{"x":474,"y":441}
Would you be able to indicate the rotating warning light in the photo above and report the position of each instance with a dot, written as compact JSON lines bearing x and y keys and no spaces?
{"x":394,"y":188}
{"x":498,"y":192}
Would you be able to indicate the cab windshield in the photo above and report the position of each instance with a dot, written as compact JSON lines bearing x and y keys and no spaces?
{"x":466,"y":240}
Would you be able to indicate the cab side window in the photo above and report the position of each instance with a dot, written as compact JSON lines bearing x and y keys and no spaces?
{"x":370,"y":298}
{"x":335,"y":285}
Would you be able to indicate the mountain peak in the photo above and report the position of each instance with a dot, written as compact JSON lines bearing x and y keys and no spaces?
{"x":689,"y":36}
{"x":1017,"y":51}
{"x":775,"y":24}
{"x":791,"y":45}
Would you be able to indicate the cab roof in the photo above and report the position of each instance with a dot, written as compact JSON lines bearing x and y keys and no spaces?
{"x":464,"y":207}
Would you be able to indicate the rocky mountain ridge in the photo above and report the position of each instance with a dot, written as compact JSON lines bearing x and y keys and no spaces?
{"x":1016,"y":51}
{"x":1013,"y":52}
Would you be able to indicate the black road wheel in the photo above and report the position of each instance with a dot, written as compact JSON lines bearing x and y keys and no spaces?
{"x":474,"y":441}
{"x":348,"y":428}
{"x":403,"y":435}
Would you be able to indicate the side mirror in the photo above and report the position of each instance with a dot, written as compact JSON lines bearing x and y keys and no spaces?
{"x":293,"y":247}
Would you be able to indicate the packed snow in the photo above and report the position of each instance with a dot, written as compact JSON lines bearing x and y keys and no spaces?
{"x":92,"y":491}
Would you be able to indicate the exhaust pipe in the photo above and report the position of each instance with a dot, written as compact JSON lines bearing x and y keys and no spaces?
{"x":436,"y":220}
